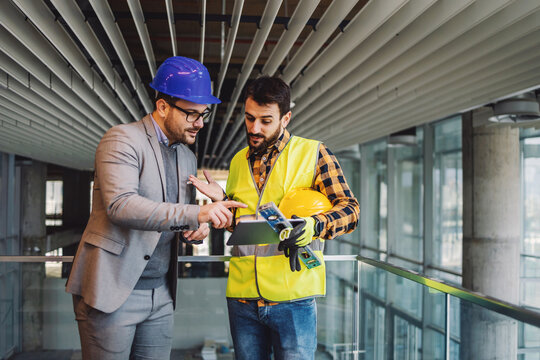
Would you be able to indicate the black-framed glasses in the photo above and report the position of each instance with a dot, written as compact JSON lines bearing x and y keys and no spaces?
{"x":192,"y":116}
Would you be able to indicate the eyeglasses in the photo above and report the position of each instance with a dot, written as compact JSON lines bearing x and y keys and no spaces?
{"x":192,"y":116}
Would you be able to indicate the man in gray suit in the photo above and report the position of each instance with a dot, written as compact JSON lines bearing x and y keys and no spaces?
{"x":124,"y":274}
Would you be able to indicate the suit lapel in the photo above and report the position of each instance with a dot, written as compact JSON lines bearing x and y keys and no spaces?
{"x":154,"y":143}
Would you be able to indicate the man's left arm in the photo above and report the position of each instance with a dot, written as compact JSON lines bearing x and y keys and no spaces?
{"x":330,"y":181}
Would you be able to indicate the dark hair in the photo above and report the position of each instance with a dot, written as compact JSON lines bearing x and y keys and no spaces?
{"x":269,"y":90}
{"x":168,"y":99}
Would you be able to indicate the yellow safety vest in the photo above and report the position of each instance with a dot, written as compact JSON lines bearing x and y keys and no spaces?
{"x":262,"y":271}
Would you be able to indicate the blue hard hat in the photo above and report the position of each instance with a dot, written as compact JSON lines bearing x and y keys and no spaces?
{"x":186,"y":79}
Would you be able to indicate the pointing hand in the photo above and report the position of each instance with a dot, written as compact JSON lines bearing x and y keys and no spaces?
{"x":218,"y":213}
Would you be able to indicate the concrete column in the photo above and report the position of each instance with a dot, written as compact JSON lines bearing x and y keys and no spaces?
{"x":33,"y":234}
{"x":491,"y":236}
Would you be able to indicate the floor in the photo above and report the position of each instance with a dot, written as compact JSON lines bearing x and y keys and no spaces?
{"x":76,"y":355}
{"x":194,"y":354}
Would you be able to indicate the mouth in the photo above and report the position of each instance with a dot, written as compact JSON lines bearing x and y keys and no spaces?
{"x":255,"y":137}
{"x":193,"y":132}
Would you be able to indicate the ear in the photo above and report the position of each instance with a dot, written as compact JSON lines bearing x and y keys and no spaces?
{"x":162,"y":108}
{"x":285,"y":119}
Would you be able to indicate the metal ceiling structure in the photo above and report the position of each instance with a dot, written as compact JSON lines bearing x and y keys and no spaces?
{"x":358,"y":69}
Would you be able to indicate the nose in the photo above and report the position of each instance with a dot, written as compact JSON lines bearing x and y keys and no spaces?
{"x":199,"y":123}
{"x":256,"y":127}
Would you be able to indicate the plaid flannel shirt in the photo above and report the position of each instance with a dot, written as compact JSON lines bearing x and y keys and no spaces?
{"x":329,"y":180}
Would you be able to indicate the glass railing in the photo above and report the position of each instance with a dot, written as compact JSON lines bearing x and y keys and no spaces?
{"x":405,"y":315}
{"x":373,"y":310}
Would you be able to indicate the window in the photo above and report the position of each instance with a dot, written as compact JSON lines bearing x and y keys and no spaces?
{"x":374,"y":196}
{"x":350,"y":164}
{"x":530,"y":253}
{"x":447,"y":195}
{"x":54,"y":203}
{"x":408,"y":209}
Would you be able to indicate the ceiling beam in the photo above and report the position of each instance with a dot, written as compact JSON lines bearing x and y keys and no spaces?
{"x":231,"y":37}
{"x":479,"y":79}
{"x":33,"y":85}
{"x":370,"y":18}
{"x":461,"y":33}
{"x":219,"y":18}
{"x":48,"y":112}
{"x":295,"y":26}
{"x":437,"y":26}
{"x":333,"y":16}
{"x":142,"y":30}
{"x":106,"y":17}
{"x":253,"y":53}
{"x":203,"y":30}
{"x":39,"y":131}
{"x":74,"y":18}
{"x":172,"y":24}
{"x":15,"y":22}
{"x":335,"y":13}
{"x":439,"y":101}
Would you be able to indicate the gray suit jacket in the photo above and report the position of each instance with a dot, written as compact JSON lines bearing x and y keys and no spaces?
{"x":128,"y":213}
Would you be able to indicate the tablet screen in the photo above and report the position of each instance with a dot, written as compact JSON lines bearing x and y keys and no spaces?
{"x":256,"y":232}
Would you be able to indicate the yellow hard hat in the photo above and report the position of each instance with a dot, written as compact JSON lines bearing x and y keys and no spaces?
{"x":304,"y":202}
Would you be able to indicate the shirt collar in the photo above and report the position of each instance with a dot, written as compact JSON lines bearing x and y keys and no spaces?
{"x":162,"y":138}
{"x":279,"y":144}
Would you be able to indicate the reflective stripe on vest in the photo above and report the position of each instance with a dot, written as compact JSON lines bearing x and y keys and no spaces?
{"x":261,"y":271}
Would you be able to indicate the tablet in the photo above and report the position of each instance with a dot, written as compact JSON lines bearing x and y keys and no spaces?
{"x":256,"y":232}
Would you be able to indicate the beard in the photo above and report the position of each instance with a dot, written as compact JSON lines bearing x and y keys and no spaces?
{"x":178,"y":134}
{"x":267,"y":141}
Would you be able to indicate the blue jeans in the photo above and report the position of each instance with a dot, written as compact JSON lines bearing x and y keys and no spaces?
{"x":290,"y":329}
{"x":140,"y":329}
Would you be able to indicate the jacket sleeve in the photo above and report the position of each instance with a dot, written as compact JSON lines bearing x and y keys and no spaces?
{"x":118,"y":167}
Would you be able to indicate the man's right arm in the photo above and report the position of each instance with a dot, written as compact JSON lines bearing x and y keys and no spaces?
{"x":117,"y":167}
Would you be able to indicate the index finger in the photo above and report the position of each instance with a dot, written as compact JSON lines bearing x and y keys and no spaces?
{"x":196,"y":182}
{"x":232,"y":203}
{"x":194,"y":179}
{"x":208,"y":176}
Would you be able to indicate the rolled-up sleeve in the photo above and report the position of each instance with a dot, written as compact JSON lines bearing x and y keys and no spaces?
{"x":330,"y":180}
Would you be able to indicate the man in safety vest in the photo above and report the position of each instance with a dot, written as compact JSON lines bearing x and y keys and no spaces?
{"x":270,"y":293}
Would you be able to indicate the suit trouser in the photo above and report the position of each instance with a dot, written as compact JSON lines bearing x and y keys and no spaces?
{"x":140,"y":329}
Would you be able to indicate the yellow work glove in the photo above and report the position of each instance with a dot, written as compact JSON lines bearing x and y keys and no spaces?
{"x":301,"y":235}
{"x":309,"y":230}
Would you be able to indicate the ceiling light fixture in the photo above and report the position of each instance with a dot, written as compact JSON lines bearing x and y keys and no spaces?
{"x":518,"y":109}
{"x":405,"y":137}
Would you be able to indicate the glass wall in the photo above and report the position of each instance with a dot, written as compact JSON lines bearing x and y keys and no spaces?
{"x":447,"y":195}
{"x":336,"y":312}
{"x":374,"y":197}
{"x":396,"y":228}
{"x":348,"y":244}
{"x":530,"y":274}
{"x":10,"y":274}
{"x":395,"y":313}
{"x":530,"y":245}
{"x":407,"y":212}
{"x":394,"y":182}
